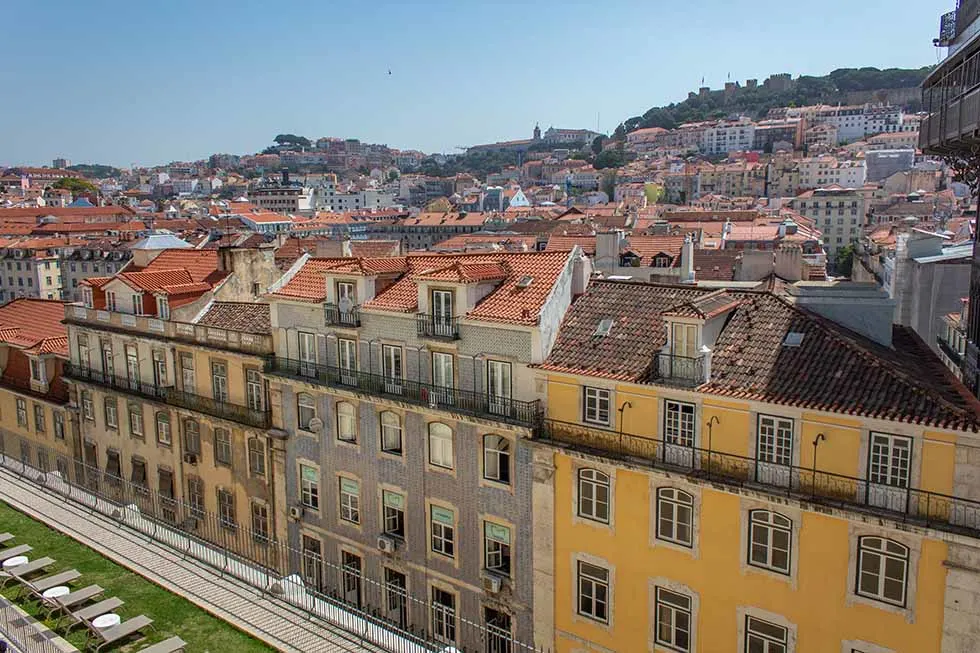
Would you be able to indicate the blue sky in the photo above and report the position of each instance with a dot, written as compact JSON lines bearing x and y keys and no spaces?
{"x":149,"y":82}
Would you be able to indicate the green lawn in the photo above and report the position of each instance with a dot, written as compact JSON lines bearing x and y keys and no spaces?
{"x":171,"y":614}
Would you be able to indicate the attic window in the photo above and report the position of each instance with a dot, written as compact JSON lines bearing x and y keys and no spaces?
{"x":605,"y":326}
{"x":525,"y":281}
{"x":793,"y":339}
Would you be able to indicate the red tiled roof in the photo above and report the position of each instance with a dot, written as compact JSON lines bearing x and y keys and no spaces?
{"x":201,"y":265}
{"x":647,"y":247}
{"x":714,"y":264}
{"x":309,"y":284}
{"x":558,"y":243}
{"x":833,"y":369}
{"x":460,"y":272}
{"x":35,"y":324}
{"x":238,"y":316}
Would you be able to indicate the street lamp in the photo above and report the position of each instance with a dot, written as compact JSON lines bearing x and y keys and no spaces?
{"x":711,"y":422}
{"x":816,"y":441}
{"x":621,"y":409}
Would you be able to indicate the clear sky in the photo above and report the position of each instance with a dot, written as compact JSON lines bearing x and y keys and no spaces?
{"x":141,"y":81}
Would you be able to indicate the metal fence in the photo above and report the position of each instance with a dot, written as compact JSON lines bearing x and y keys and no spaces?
{"x":24,"y":634}
{"x":896,"y":501}
{"x":379,"y":611}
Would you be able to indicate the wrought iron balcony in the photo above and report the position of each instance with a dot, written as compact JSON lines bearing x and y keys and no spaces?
{"x":502,"y":409}
{"x":437,"y":326}
{"x":172,"y":396}
{"x":947,"y":349}
{"x":680,"y":370}
{"x":334,"y":316}
{"x":905,"y":504}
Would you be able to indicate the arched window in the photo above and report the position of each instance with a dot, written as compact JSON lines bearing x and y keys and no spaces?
{"x":675,"y":516}
{"x":883,"y":569}
{"x":496,"y":458}
{"x":391,"y":432}
{"x":346,"y":422}
{"x":593,"y":495}
{"x":440,"y":445}
{"x":770,"y":541}
{"x":305,"y":409}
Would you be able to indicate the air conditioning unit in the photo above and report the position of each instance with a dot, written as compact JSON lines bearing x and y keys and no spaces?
{"x":295,"y":512}
{"x":386,"y":544}
{"x":491,"y":584}
{"x":190,"y":458}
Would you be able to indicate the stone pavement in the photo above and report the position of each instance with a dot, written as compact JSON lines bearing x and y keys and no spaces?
{"x":272,"y":621}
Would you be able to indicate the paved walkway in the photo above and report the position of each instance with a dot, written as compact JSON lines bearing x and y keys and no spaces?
{"x":272,"y":621}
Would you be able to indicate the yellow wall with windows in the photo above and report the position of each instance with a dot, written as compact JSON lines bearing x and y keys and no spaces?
{"x":235,"y":365}
{"x":818,"y":597}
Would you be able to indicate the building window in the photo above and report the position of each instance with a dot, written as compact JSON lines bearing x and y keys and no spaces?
{"x":163,"y":429}
{"x":673,"y":620}
{"x":764,"y":637}
{"x":496,"y":547}
{"x":88,"y":411}
{"x":222,"y":446}
{"x":440,"y":445}
{"x":309,"y":487}
{"x":159,"y":368}
{"x":679,"y":431}
{"x":394,"y":513}
{"x":39,"y":422}
{"x":350,"y":500}
{"x":136,"y":420}
{"x":187,"y":373}
{"x":163,"y":307}
{"x":110,"y":300}
{"x":396,"y":597}
{"x":596,"y":406}
{"x":260,"y":521}
{"x":675,"y":516}
{"x":770,"y":541}
{"x":882,"y":570}
{"x":138,"y":477}
{"x":226,"y":508}
{"x":219,"y":381}
{"x":889,"y":466}
{"x":499,"y":636}
{"x":305,"y":410}
{"x":496,"y":458}
{"x":21,"y":413}
{"x":192,"y":436}
{"x":37,"y":370}
{"x":443,"y":615}
{"x":593,"y":592}
{"x":443,"y":530}
{"x":391,"y":432}
{"x":774,"y":449}
{"x":346,"y":422}
{"x":59,"y":426}
{"x":253,"y":389}
{"x":347,"y":360}
{"x":256,"y":457}
{"x":593,"y":495}
{"x":195,"y":496}
{"x":351,"y":566}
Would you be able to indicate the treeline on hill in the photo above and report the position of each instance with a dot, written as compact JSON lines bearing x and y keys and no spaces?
{"x":95,"y":170}
{"x":756,"y":102}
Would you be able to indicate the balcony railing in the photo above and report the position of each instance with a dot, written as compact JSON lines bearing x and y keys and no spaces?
{"x":503,"y":409}
{"x":172,"y":396}
{"x":947,"y":349}
{"x":334,"y":316}
{"x":680,"y":370}
{"x":807,"y":484}
{"x":437,"y":326}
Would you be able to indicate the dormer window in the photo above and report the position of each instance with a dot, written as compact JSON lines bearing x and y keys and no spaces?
{"x":163,"y":308}
{"x":346,"y":295}
{"x":684,"y":340}
{"x":37,"y":370}
{"x":110,"y":300}
{"x":442,"y":305}
{"x":138,"y":304}
{"x":87,"y":298}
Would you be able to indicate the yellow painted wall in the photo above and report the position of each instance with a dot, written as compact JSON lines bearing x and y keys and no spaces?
{"x":818,"y":605}
{"x":235,"y":365}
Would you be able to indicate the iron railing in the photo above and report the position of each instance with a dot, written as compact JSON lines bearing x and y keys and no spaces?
{"x":679,"y":370}
{"x":334,"y":316}
{"x":904,"y":504}
{"x":367,"y":607}
{"x":437,"y":326}
{"x":465,"y":402}
{"x":947,"y":349}
{"x":24,"y":633}
{"x":168,"y":394}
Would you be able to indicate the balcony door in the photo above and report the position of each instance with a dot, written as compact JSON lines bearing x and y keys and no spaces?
{"x":442,"y":312}
{"x":774,"y":450}
{"x":346,"y":299}
{"x":443,"y":378}
{"x":132,"y":366}
{"x":347,"y":361}
{"x":499,"y":386}
{"x":889,"y":465}
{"x":391,"y":364}
{"x":307,"y":354}
{"x":679,"y":433}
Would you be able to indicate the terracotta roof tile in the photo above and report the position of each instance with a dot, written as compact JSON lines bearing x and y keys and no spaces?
{"x":238,"y":316}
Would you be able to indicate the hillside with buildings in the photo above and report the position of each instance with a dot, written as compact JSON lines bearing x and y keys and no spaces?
{"x":897,"y":86}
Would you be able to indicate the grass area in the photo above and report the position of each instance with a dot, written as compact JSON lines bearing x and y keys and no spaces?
{"x":171,"y":614}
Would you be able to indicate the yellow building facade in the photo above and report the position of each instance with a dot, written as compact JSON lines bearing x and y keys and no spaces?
{"x":685,"y":519}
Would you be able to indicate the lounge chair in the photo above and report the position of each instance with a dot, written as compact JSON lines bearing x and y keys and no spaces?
{"x":118,"y":633}
{"x":172,"y":645}
{"x":85,"y":616}
{"x":18,"y":550}
{"x":39,"y":586}
{"x":21,"y":572}
{"x":5,"y":538}
{"x":72,"y":599}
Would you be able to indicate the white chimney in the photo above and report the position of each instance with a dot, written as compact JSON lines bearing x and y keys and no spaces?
{"x":687,"y":260}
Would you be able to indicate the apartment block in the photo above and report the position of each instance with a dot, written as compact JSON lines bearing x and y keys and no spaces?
{"x":840,"y":213}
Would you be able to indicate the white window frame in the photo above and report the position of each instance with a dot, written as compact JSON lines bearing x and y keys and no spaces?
{"x":672,"y":504}
{"x":309,"y":488}
{"x":393,"y":513}
{"x":592,"y":588}
{"x":496,"y":458}
{"x":670,"y":613}
{"x":497,"y":553}
{"x":593,"y":411}
{"x":887,"y":551}
{"x":391,"y":432}
{"x":305,"y":402}
{"x":441,"y":446}
{"x":346,"y":422}
{"x":598,"y":483}
{"x":770,"y":643}
{"x":350,"y":501}
{"x":769,"y":523}
{"x":442,"y":536}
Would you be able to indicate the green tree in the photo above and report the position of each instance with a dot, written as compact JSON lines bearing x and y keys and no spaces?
{"x":597,"y":145}
{"x":611,"y":158}
{"x":76,"y":185}
{"x":607,"y":183}
{"x":291,"y":139}
{"x":392,"y":175}
{"x":844,"y":261}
